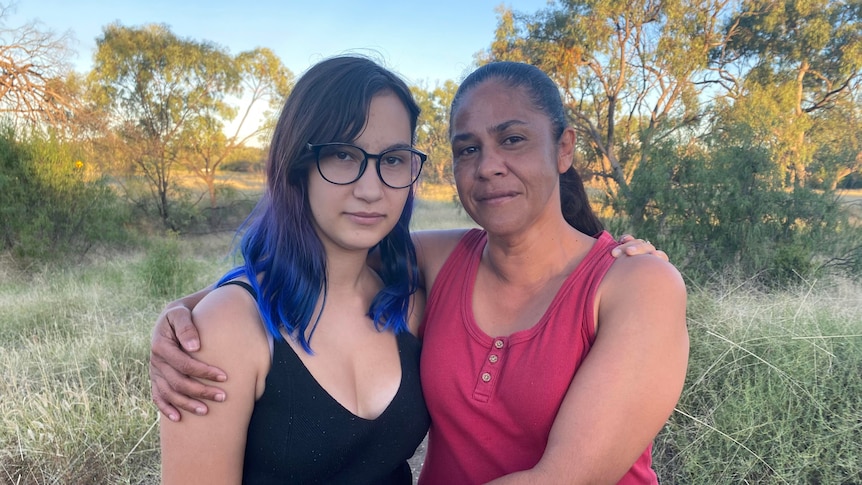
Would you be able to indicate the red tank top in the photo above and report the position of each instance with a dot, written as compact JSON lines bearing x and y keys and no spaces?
{"x":493,"y":400}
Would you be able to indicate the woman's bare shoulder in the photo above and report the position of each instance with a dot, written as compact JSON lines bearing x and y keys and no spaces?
{"x":645,"y":273}
{"x":642,"y":293}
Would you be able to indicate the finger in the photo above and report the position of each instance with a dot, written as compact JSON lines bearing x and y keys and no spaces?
{"x":626,"y":238}
{"x":180,"y":320}
{"x":171,"y":360}
{"x":163,"y":393}
{"x":638,"y":246}
{"x":164,"y":354}
{"x":182,"y":364}
{"x":633,"y":247}
{"x":165,"y":408}
{"x":662,"y":255}
{"x":176,"y":372}
{"x":175,"y":389}
{"x":192,"y":388}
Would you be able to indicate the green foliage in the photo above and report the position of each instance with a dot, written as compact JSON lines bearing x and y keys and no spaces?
{"x":432,"y":134}
{"x":807,"y":54}
{"x":722,"y":204}
{"x":166,"y":272}
{"x":51,"y":207}
{"x":169,"y":100}
{"x":243,"y":166}
{"x":725,"y":185}
{"x":155,"y":85}
{"x":629,"y":72}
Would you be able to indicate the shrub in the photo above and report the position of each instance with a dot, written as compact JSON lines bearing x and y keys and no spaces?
{"x":727,"y":206}
{"x":243,"y":166}
{"x":51,"y":204}
{"x":165,"y":271}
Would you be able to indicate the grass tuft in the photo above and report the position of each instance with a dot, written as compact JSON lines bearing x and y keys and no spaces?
{"x":774,"y":388}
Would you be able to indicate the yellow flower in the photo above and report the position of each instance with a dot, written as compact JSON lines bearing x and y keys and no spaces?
{"x":79,"y":164}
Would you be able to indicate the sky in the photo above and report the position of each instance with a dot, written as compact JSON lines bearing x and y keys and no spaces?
{"x":427,"y":42}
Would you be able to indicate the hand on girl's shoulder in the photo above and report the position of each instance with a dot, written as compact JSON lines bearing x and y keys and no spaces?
{"x":231,"y":330}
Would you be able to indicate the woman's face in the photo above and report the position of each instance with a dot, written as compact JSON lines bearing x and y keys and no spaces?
{"x":357,"y":216}
{"x":506,"y":161}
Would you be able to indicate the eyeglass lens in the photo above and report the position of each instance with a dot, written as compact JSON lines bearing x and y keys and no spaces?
{"x":343,"y":164}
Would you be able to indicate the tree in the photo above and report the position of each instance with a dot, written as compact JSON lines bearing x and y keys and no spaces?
{"x":805,"y":58}
{"x":263,"y":80}
{"x":156,"y":88}
{"x":33,"y":73}
{"x":837,"y":140}
{"x":433,"y":130}
{"x":719,"y":202}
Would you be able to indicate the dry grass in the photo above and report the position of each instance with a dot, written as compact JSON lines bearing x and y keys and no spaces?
{"x":436,"y":192}
{"x":853,"y":201}
{"x":774,"y":392}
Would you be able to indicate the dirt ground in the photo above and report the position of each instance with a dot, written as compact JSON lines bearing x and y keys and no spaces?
{"x":418,"y":458}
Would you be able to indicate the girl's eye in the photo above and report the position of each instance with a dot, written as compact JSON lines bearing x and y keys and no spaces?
{"x":393,"y":160}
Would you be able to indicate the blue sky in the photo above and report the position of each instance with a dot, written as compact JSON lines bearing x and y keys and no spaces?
{"x":426,"y":42}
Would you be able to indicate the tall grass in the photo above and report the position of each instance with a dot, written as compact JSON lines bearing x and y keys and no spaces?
{"x":774,"y":390}
{"x":74,"y":393}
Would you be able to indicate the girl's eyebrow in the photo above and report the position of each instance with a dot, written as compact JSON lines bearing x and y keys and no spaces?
{"x":395,"y":146}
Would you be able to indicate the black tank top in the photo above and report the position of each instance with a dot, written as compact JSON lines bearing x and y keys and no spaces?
{"x":299,"y":434}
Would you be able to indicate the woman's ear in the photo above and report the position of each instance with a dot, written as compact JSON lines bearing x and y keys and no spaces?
{"x":566,"y":149}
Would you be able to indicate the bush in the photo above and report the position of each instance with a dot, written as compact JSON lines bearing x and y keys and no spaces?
{"x":51,"y":204}
{"x":243,"y":166}
{"x":165,"y":271}
{"x":726,"y":206}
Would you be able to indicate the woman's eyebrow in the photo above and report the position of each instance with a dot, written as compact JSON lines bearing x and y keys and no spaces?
{"x":493,"y":130}
{"x":506,"y":125}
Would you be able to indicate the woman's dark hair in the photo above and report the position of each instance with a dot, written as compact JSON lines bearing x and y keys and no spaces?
{"x":284,"y":259}
{"x":545,"y":96}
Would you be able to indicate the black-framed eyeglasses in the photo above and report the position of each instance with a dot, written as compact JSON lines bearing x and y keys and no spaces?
{"x":343,"y":164}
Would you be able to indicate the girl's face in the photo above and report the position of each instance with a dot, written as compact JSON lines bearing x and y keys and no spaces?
{"x":357,"y":216}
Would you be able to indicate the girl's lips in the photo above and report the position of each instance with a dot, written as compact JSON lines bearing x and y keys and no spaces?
{"x":365,"y":218}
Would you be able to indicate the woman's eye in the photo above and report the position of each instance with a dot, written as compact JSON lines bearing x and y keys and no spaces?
{"x":511,"y":140}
